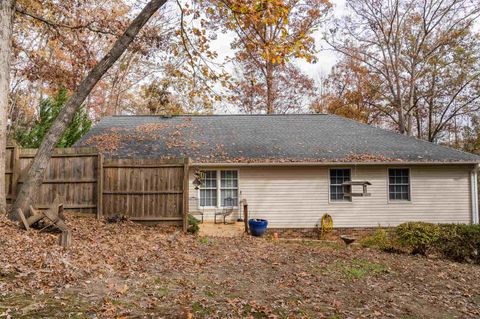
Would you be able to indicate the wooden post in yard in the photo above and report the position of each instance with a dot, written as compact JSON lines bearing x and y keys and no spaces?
{"x":245,"y":214}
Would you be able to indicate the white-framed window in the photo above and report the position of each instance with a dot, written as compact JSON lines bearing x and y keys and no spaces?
{"x":337,"y":177}
{"x":229,"y":188}
{"x":399,"y":184}
{"x":219,"y":188}
{"x":208,"y":189}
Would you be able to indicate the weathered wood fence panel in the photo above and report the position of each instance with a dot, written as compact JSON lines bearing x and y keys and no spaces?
{"x":71,"y":173}
{"x":146,"y":189}
{"x":142,"y":189}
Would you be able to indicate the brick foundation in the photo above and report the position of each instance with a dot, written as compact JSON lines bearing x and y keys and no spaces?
{"x":313,"y":233}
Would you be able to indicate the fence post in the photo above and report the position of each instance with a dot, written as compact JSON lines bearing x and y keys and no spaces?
{"x":15,"y":172}
{"x":185,"y":193}
{"x":99,"y":185}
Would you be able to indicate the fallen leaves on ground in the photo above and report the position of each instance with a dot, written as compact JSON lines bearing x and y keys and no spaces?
{"x":128,"y":270}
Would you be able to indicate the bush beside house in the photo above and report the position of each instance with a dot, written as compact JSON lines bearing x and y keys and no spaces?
{"x":457,"y":242}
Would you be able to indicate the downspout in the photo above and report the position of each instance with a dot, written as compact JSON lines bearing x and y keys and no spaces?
{"x":474,"y":193}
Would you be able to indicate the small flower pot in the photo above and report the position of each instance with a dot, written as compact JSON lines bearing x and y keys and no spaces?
{"x":257,"y":226}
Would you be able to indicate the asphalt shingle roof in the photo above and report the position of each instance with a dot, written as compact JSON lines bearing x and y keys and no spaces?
{"x":261,"y":138}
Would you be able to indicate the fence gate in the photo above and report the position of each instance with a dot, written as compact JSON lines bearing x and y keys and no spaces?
{"x":145,"y":189}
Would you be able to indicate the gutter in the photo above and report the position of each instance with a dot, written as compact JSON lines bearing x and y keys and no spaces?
{"x":310,"y":164}
{"x":474,"y":194}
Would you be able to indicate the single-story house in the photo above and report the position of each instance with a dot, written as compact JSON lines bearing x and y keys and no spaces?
{"x":291,"y":169}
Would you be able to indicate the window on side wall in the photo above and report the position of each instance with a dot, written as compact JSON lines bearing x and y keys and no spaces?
{"x":208,"y":189}
{"x":229,"y":188}
{"x":218,"y":187}
{"x":399,"y":184}
{"x":337,"y":177}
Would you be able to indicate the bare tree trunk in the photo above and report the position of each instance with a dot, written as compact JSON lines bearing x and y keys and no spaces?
{"x":401,"y":116}
{"x":36,"y":172}
{"x":418,"y":119}
{"x":269,"y":80}
{"x":6,"y":18}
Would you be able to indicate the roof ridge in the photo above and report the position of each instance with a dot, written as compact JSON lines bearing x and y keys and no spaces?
{"x":219,"y":115}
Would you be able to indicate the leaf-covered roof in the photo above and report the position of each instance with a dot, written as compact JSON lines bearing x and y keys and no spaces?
{"x":261,"y":138}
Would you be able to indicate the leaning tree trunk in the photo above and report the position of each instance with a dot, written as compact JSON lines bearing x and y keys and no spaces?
{"x":6,"y":18}
{"x":34,"y":176}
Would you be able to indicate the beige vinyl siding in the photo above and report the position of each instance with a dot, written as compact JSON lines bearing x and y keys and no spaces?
{"x":298,"y":196}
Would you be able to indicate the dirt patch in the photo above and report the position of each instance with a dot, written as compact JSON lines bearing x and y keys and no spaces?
{"x":135,"y":271}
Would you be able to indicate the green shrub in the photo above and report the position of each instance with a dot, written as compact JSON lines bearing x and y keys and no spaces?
{"x":382,"y":239}
{"x":456,"y":242}
{"x":418,"y":237}
{"x":193,"y":224}
{"x":460,"y":242}
{"x":379,"y":239}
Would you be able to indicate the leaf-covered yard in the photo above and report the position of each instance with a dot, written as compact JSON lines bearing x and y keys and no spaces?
{"x":132,"y":271}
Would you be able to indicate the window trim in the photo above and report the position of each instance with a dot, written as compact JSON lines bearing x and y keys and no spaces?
{"x":400,"y":201}
{"x":330,"y":201}
{"x":219,"y":188}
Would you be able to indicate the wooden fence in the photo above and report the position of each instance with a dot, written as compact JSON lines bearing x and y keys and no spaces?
{"x":71,"y":173}
{"x":11,"y":172}
{"x":143,"y":190}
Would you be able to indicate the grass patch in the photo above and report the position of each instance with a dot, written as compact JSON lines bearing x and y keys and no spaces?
{"x":359,"y":269}
{"x":163,"y":292}
{"x":232,"y":295}
{"x":204,"y":240}
{"x":334,"y":245}
{"x":200,"y":309}
{"x":160,"y":288}
{"x":476,"y":300}
{"x":323,"y":244}
{"x":251,"y":312}
{"x":209,"y":292}
{"x":321,"y":270}
{"x":21,"y":306}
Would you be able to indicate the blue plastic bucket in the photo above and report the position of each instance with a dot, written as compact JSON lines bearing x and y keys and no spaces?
{"x":257,"y":226}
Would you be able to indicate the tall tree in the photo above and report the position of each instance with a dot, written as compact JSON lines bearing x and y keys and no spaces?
{"x":270,"y":35}
{"x":471,"y":137}
{"x":158,"y":100}
{"x":408,"y":45}
{"x":6,"y":21}
{"x":35,"y":173}
{"x":350,"y":90}
{"x":56,"y":43}
{"x":292,"y":90}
